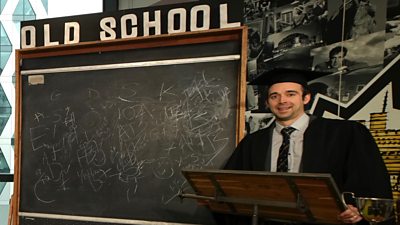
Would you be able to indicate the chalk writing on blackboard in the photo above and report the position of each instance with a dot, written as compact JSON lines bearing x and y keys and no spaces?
{"x":122,"y":140}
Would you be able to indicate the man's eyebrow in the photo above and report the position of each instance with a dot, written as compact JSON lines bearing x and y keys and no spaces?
{"x":273,"y":93}
{"x":287,"y":91}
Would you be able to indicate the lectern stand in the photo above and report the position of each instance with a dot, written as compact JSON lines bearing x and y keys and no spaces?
{"x":294,"y":197}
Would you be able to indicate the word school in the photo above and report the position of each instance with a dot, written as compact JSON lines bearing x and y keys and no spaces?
{"x":198,"y":18}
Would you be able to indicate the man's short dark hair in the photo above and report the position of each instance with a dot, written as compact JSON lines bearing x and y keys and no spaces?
{"x":336,"y":50}
{"x":306,"y":90}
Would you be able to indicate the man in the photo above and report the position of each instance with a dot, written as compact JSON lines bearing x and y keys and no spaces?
{"x":344,"y":149}
{"x":320,"y":12}
{"x":338,"y":62}
{"x":364,"y":19}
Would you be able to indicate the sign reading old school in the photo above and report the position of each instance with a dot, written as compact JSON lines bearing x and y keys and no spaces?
{"x":178,"y":18}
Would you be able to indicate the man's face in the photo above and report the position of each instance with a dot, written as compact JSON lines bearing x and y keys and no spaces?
{"x":336,"y":60}
{"x":286,"y":102}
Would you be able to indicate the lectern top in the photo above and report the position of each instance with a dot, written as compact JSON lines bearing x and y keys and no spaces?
{"x":297,"y":197}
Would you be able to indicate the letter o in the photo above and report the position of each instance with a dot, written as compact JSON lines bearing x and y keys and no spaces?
{"x":206,"y":19}
{"x":24,"y":31}
{"x":181,"y":12}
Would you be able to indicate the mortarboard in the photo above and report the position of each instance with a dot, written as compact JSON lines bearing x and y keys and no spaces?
{"x":279,"y":75}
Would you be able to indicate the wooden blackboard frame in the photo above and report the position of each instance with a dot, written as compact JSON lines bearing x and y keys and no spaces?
{"x":238,"y":35}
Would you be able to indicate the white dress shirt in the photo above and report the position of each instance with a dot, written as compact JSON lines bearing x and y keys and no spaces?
{"x":296,"y":144}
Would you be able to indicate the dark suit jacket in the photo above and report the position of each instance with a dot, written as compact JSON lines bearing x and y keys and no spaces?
{"x":345,"y":149}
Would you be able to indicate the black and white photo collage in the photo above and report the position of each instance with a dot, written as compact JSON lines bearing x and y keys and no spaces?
{"x":352,"y":40}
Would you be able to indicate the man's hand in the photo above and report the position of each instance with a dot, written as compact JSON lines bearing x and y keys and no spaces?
{"x":350,"y":215}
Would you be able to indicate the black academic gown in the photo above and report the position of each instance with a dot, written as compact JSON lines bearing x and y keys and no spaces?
{"x":345,"y":149}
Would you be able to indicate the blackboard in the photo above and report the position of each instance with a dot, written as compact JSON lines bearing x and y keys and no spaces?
{"x":107,"y":140}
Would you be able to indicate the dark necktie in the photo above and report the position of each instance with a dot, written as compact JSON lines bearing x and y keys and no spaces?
{"x":282,"y":163}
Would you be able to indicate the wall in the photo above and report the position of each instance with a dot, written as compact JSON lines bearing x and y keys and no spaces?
{"x":363,"y":84}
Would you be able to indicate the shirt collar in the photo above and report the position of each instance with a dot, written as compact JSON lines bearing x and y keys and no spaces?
{"x":300,"y":124}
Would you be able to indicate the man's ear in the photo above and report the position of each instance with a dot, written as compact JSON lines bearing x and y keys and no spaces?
{"x":307,"y":99}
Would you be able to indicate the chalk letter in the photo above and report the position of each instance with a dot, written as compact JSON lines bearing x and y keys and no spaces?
{"x":108,"y":33}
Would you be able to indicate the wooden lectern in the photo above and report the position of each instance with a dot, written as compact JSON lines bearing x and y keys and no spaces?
{"x":295,"y":197}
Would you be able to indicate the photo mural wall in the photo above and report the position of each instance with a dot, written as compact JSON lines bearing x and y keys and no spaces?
{"x":357,"y":41}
